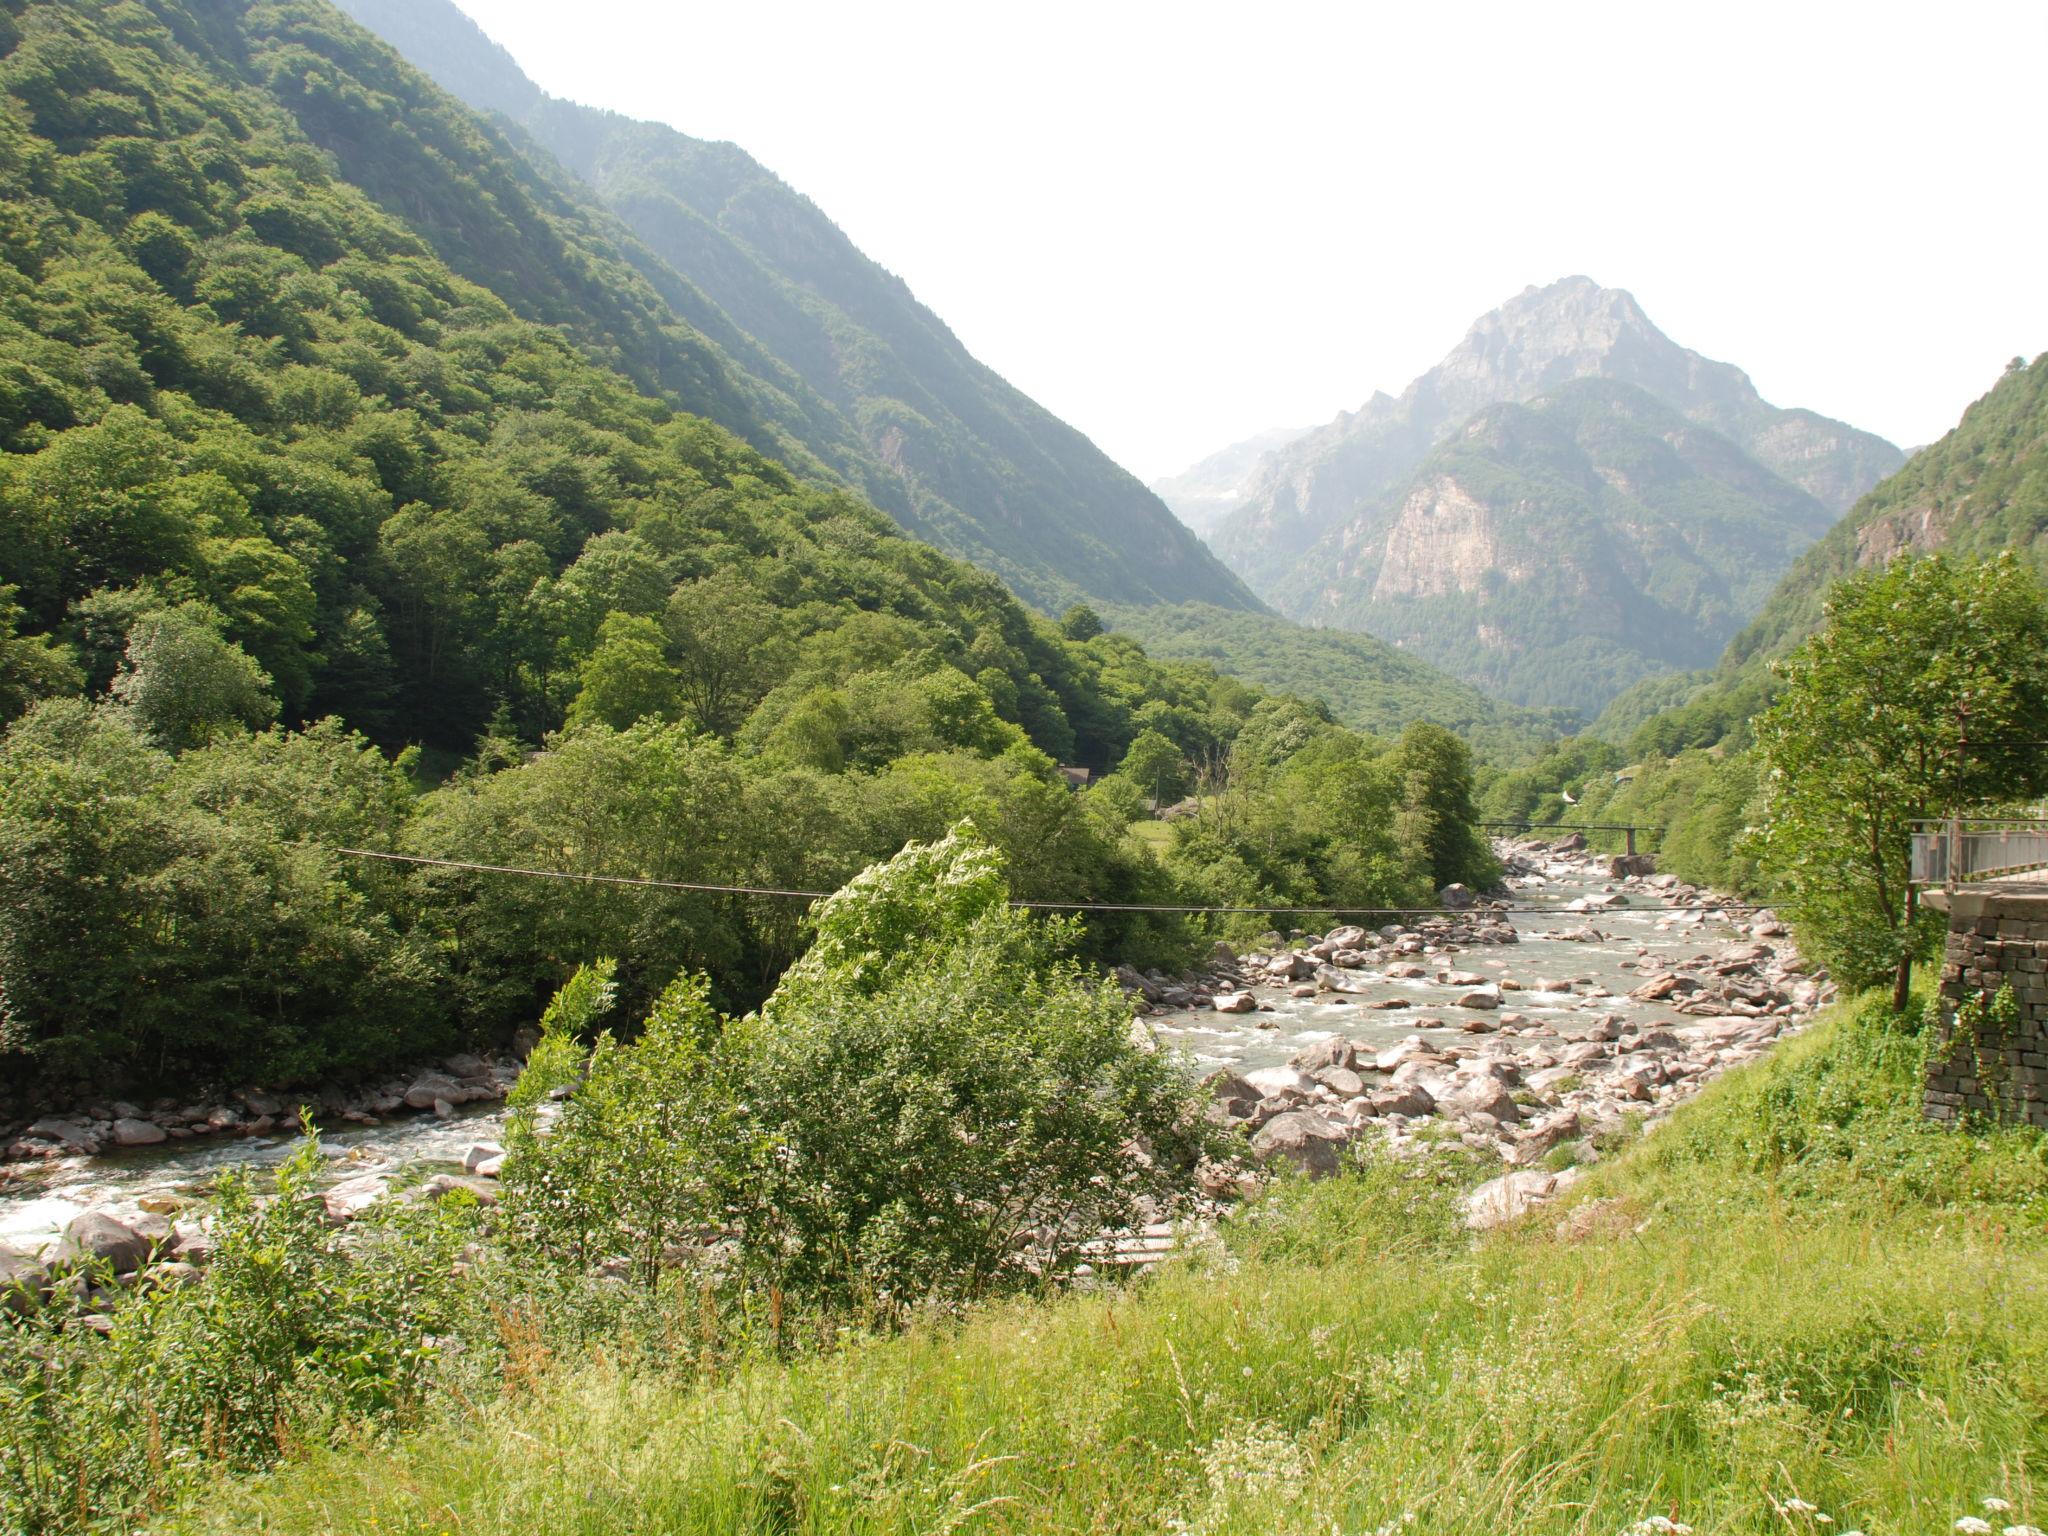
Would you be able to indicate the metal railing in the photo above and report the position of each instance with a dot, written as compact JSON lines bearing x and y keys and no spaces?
{"x":1965,"y":849}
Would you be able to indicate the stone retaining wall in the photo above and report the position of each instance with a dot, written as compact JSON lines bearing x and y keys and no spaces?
{"x":1997,"y":1068}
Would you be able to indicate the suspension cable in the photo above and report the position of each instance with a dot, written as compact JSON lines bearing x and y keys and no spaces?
{"x":644,"y":883}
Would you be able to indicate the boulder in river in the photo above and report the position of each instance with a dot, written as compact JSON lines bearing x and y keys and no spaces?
{"x":138,"y":1133}
{"x":1457,"y":897}
{"x":94,"y":1235}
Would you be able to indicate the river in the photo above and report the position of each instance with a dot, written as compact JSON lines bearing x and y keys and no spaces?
{"x":38,"y":1198}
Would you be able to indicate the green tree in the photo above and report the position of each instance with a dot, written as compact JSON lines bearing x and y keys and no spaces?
{"x":939,"y":1101}
{"x":1438,"y":807}
{"x":1080,"y":623}
{"x":31,"y":666}
{"x":725,"y":640}
{"x":1925,"y":692}
{"x":1156,"y":766}
{"x":626,"y":678}
{"x":185,"y":683}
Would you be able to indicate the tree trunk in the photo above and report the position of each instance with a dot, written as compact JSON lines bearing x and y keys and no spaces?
{"x":1902,"y":980}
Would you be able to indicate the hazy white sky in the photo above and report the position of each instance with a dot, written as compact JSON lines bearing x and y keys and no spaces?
{"x":1175,"y":224}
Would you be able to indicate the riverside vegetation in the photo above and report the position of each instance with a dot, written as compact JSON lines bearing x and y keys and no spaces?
{"x":313,"y":535}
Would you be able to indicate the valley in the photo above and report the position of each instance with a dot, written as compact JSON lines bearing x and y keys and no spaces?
{"x":636,"y":895}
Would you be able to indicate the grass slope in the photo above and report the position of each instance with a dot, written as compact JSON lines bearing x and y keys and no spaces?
{"x":1794,"y":1291}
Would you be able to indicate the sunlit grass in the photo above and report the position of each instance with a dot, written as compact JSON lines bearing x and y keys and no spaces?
{"x":1860,"y":1325}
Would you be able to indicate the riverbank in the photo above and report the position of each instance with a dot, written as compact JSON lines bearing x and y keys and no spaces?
{"x":1621,"y":992}
{"x":1795,"y":1307}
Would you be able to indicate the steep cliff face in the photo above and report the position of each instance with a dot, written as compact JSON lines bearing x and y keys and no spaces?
{"x":878,"y":387}
{"x":1538,"y":341}
{"x":1559,"y":550}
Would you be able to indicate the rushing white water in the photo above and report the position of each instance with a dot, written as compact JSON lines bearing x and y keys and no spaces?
{"x":37,"y":1199}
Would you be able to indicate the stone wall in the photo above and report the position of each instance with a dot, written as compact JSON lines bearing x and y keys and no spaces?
{"x":1998,"y":1068}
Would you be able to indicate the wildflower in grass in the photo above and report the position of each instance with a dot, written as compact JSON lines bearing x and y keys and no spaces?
{"x":1970,"y":1525}
{"x":1800,"y":1507}
{"x":1995,"y":1505}
{"x":2024,"y":1530}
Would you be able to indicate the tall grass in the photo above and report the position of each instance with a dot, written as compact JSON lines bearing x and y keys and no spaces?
{"x":1795,"y":1293}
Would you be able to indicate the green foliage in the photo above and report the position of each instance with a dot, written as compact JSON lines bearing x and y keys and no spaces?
{"x":185,"y":684}
{"x":1350,"y":1355}
{"x":639,"y":1158}
{"x":1365,"y":682}
{"x":163,"y":919}
{"x":294,"y":1329}
{"x":933,"y":1103}
{"x":625,"y":678}
{"x":1868,"y":735}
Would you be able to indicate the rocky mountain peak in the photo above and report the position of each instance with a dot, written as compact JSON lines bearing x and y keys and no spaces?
{"x":1571,"y":329}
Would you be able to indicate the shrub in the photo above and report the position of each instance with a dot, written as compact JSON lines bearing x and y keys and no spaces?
{"x":935,"y":1103}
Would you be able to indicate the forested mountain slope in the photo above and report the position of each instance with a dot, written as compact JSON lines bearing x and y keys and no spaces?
{"x":1366,"y":682}
{"x":888,"y":394}
{"x":1981,"y":489}
{"x":281,"y":492}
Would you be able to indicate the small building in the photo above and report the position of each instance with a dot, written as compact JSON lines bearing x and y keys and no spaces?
{"x":1077,"y":778}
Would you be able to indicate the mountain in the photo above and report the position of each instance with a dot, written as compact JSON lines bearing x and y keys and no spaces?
{"x":1366,"y":683}
{"x":1343,"y":525}
{"x":1536,"y":341}
{"x":1555,"y":552}
{"x":1203,"y":494}
{"x":1980,"y":490}
{"x":870,"y":381}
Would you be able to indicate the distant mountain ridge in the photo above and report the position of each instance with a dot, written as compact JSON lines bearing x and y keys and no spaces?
{"x":1205,"y":493}
{"x":874,"y":384}
{"x":1347,"y":525}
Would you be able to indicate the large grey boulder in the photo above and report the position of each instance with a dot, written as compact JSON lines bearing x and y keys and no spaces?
{"x":1409,"y":1099}
{"x":1280,"y":1082}
{"x":1300,"y":1137}
{"x":430,"y":1086}
{"x":138,"y":1133}
{"x":66,"y":1131}
{"x":1479,"y":1096}
{"x":1458,"y":897}
{"x":94,"y":1236}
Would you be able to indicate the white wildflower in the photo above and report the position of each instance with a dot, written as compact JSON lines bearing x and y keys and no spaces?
{"x":1970,"y":1525}
{"x":1996,"y":1506}
{"x":2024,"y":1530}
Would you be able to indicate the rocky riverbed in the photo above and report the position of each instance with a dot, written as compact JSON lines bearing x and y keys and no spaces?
{"x":1535,"y":1037}
{"x":1530,"y":1035}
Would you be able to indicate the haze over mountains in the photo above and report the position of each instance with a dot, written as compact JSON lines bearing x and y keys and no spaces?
{"x":1203,"y":494}
{"x":1568,"y":502}
{"x":863,"y":377}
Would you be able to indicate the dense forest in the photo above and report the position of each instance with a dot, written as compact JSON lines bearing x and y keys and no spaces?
{"x":875,"y":384}
{"x":310,"y":540}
